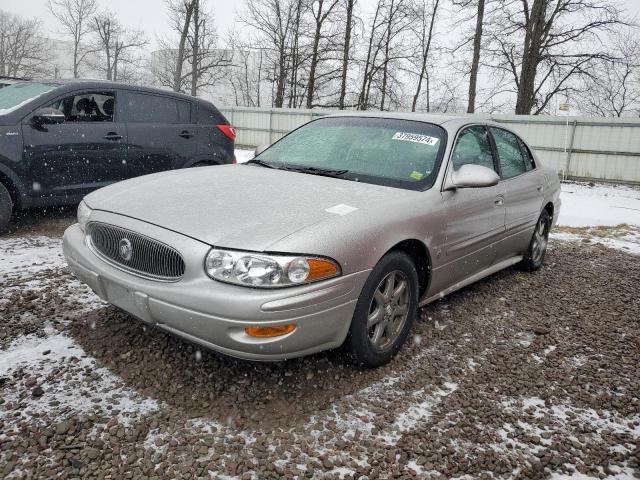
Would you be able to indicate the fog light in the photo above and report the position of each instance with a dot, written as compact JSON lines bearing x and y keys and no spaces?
{"x":268,"y":332}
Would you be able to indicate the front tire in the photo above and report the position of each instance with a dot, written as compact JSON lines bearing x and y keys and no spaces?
{"x":534,"y":258}
{"x":6,"y":208}
{"x":385,"y":311}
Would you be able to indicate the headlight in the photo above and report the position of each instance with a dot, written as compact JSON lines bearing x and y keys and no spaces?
{"x":267,"y":271}
{"x":84,"y":212}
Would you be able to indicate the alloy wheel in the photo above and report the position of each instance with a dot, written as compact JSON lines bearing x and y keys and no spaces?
{"x":389,"y":310}
{"x":540,"y":240}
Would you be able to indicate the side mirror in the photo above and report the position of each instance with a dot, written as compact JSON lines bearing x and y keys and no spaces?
{"x":47,"y":116}
{"x":259,"y":149}
{"x":474,"y":176}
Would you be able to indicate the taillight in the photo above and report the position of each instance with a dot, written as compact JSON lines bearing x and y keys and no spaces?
{"x":228,"y":131}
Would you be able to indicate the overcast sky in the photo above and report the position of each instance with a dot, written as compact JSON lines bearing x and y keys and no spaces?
{"x":151,"y":16}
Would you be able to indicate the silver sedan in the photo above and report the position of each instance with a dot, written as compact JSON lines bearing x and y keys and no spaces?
{"x":336,"y":233}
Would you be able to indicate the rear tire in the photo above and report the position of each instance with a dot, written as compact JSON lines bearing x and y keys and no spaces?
{"x":6,"y":208}
{"x":534,"y":258}
{"x":385,"y":311}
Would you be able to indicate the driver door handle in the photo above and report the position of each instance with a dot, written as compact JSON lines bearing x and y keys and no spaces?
{"x":540,"y":188}
{"x":499,"y":201}
{"x":112,"y":136}
{"x":186,"y":134}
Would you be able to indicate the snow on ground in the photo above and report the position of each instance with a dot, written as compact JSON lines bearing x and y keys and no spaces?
{"x":90,"y":389}
{"x":30,"y":254}
{"x":584,"y":205}
{"x":243,"y":155}
{"x":596,"y":213}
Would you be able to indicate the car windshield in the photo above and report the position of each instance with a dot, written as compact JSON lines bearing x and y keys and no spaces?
{"x":397,"y":153}
{"x":14,"y":96}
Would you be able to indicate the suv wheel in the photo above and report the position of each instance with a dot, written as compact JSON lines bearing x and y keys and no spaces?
{"x":385,"y":311}
{"x":6,"y":207}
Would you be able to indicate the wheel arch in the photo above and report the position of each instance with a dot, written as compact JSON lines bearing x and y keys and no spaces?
{"x":549,"y":207}
{"x":13,"y":186}
{"x":419,"y":254}
{"x":205,"y":160}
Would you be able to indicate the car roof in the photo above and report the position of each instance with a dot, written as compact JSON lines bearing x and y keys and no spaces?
{"x":450,"y":122}
{"x":97,"y":83}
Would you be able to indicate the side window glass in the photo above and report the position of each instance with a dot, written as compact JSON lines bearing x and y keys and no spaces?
{"x":87,"y":107}
{"x":184,"y":112}
{"x":145,"y":108}
{"x":473,"y":148}
{"x":509,"y":153}
{"x":529,"y":162}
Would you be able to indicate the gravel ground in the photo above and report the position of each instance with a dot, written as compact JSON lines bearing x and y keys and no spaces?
{"x":519,"y":376}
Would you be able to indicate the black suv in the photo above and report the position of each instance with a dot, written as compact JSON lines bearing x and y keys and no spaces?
{"x":59,"y":140}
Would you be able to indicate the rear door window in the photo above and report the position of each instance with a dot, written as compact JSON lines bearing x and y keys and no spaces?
{"x":145,"y":108}
{"x":512,"y":162}
{"x":529,"y":162}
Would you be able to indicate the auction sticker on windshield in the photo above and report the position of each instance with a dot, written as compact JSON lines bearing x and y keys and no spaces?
{"x":415,"y":137}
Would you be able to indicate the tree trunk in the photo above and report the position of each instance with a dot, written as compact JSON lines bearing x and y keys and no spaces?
{"x":363,"y":97}
{"x":425,"y":55}
{"x":195,"y":54}
{"x":345,"y":54}
{"x":314,"y":56}
{"x":531,"y":58}
{"x":387,"y":45}
{"x":177,"y":74}
{"x":475,"y":62}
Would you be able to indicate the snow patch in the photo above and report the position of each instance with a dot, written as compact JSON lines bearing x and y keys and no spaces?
{"x":87,"y":389}
{"x":243,"y":155}
{"x":584,"y":205}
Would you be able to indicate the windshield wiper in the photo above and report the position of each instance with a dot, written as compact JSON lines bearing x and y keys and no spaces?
{"x":262,"y":163}
{"x":325,"y":172}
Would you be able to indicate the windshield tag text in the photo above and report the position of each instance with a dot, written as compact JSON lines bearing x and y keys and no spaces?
{"x":416,"y":138}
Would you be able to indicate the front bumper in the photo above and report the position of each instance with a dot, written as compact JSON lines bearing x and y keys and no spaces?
{"x":215,"y":314}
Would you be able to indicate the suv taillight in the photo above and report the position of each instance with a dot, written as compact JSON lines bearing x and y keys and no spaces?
{"x":228,"y":131}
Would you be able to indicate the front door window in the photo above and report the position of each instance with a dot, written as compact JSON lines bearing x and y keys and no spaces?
{"x":87,"y":107}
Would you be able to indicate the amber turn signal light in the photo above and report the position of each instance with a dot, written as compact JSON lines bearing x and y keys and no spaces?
{"x":319,"y":269}
{"x":268,"y":332}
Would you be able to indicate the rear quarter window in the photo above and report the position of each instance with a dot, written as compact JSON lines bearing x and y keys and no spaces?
{"x":147,"y":108}
{"x":209,"y":115}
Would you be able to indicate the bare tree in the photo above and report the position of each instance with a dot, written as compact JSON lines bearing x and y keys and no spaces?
{"x":544,"y":44}
{"x":385,"y":49}
{"x":115,"y":45}
{"x":274,"y":21}
{"x":613,"y":90}
{"x":477,"y":46}
{"x":180,"y":12}
{"x":23,"y":53}
{"x":75,"y":17}
{"x":206,"y":59}
{"x":245,"y":75}
{"x":398,"y":18}
{"x":321,"y":11}
{"x":348,"y":27}
{"x":427,"y":15}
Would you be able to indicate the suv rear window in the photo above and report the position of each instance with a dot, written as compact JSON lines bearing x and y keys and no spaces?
{"x":145,"y":108}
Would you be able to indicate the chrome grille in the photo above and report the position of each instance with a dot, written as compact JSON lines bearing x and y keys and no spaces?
{"x":135,"y":253}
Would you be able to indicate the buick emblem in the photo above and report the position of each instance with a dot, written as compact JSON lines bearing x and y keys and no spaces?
{"x":125,"y":249}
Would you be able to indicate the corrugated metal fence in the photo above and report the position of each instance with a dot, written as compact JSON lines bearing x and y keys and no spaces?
{"x":577,"y":147}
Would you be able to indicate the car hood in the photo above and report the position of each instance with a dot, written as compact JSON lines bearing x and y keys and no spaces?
{"x":240,"y":206}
